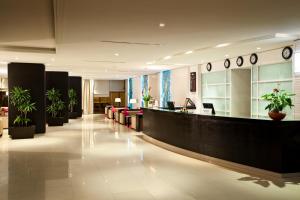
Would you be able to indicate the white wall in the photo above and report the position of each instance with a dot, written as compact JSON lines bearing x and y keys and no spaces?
{"x":154,"y":83}
{"x":117,"y":85}
{"x":101,"y":88}
{"x":136,"y":90}
{"x":264,"y":58}
{"x":180,"y":85}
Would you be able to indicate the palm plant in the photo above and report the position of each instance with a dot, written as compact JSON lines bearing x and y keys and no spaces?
{"x":57,"y":105}
{"x":21,"y":100}
{"x":72,"y":99}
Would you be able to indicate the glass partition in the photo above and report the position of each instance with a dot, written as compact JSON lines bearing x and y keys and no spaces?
{"x":216,"y":90}
{"x":264,"y":79}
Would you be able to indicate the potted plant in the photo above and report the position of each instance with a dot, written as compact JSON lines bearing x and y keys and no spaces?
{"x":146,"y":97}
{"x":22,"y":128}
{"x":55,"y":108}
{"x":72,"y":102}
{"x":279,"y":100}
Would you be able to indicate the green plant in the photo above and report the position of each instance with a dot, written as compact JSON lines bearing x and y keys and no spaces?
{"x":21,"y":99}
{"x":72,"y":99}
{"x":57,"y":105}
{"x":279,"y":100}
{"x":146,"y":95}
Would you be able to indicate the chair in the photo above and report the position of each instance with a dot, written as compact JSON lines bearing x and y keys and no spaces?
{"x":137,"y":121}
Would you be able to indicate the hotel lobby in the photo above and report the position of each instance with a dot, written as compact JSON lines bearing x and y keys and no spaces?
{"x":136,"y":99}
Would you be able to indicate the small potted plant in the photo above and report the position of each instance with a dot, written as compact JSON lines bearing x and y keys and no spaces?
{"x":278,"y":101}
{"x":72,"y":103}
{"x":55,"y":108}
{"x":21,"y":100}
{"x":146,"y":97}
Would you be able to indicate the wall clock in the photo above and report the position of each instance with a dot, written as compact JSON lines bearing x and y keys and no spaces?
{"x":227,"y":63}
{"x":287,"y":53}
{"x":253,"y":58}
{"x":209,"y":67}
{"x":240,"y":61}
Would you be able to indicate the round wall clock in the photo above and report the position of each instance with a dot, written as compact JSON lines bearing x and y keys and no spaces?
{"x":240,"y":61}
{"x":253,"y":58}
{"x":287,"y":53}
{"x":209,"y":67}
{"x":227,"y":63}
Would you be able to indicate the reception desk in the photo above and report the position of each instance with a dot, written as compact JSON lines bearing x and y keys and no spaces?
{"x":263,"y":144}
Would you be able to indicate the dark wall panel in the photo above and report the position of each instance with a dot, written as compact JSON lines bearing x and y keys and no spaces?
{"x":60,"y":81}
{"x":29,"y":76}
{"x":75,"y":82}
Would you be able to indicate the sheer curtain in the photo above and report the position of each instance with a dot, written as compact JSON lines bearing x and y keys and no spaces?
{"x":88,"y":96}
{"x":165,"y":82}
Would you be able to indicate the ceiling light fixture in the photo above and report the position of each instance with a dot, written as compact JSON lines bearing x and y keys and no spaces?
{"x":189,"y":52}
{"x":16,"y":58}
{"x":162,"y":25}
{"x":116,"y":54}
{"x":258,"y":48}
{"x":281,"y":35}
{"x":222,"y":45}
{"x":167,"y":57}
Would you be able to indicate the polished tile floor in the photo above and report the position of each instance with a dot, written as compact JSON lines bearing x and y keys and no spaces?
{"x":93,"y":158}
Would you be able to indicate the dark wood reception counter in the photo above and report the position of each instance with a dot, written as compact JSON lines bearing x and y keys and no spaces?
{"x":263,"y":144}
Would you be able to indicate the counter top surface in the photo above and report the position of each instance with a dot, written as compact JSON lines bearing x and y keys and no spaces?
{"x":197,"y":112}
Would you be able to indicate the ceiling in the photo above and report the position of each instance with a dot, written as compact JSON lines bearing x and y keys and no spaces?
{"x":117,"y":39}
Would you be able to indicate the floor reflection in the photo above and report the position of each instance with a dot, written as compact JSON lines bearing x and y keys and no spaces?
{"x":95,"y":158}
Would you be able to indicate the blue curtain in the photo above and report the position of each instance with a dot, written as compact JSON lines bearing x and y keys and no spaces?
{"x":130,"y":93}
{"x":165,"y":82}
{"x":144,"y":86}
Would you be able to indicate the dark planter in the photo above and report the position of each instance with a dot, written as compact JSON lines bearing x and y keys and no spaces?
{"x":22,"y":132}
{"x":277,"y":116}
{"x":73,"y":115}
{"x":58,"y":121}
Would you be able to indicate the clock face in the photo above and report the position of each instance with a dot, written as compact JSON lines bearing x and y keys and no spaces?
{"x":240,"y":61}
{"x":287,"y":53}
{"x":253,"y":59}
{"x":227,"y":63}
{"x":209,"y":67}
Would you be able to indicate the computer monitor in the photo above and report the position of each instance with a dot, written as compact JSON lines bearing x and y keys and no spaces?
{"x":171,"y":105}
{"x":209,"y":106}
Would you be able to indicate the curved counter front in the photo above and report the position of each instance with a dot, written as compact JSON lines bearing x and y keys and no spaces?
{"x":264,"y":144}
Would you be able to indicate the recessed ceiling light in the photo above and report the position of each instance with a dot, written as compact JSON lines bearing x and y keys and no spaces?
{"x":16,"y":58}
{"x":116,"y":54}
{"x":222,"y":45}
{"x":189,"y":52}
{"x":162,"y":25}
{"x":167,"y":57}
{"x":258,"y":48}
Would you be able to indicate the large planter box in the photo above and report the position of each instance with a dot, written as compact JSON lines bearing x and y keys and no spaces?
{"x":59,"y":121}
{"x":73,"y":115}
{"x":22,"y":132}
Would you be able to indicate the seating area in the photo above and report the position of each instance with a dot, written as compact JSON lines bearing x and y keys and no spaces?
{"x":132,"y":118}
